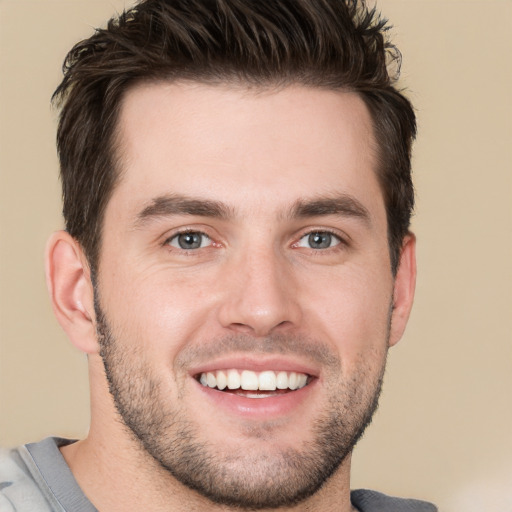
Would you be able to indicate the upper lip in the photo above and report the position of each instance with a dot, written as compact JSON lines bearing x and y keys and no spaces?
{"x":256,"y":364}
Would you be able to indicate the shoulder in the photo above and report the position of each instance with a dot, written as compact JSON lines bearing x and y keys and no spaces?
{"x":372,"y":501}
{"x":18,"y":490}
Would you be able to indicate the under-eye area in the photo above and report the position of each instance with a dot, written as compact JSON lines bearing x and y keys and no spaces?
{"x":252,"y":384}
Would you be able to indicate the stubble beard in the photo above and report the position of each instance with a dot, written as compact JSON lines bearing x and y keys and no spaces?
{"x":251,"y":481}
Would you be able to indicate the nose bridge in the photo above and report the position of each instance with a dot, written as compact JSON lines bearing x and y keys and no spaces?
{"x":260,"y":295}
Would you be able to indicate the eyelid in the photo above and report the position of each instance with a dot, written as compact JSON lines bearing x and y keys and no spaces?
{"x":340,"y":236}
{"x":184,"y":230}
{"x":304,"y":241}
{"x":175,"y":237}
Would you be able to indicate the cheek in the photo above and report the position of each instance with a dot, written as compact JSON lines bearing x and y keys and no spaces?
{"x":350,"y":308}
{"x":157,"y":309}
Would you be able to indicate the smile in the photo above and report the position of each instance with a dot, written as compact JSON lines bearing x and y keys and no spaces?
{"x":247,"y":380}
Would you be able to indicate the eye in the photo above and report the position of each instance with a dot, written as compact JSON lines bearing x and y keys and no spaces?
{"x":190,"y":240}
{"x":319,"y":240}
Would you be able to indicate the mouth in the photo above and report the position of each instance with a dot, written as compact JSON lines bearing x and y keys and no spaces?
{"x":252,"y":384}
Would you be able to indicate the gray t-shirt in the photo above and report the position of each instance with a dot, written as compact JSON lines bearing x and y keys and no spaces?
{"x":36,"y":478}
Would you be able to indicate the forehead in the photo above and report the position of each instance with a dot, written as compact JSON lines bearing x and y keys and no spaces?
{"x":249,"y":147}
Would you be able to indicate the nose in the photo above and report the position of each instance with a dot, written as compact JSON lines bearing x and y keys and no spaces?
{"x":260,"y":295}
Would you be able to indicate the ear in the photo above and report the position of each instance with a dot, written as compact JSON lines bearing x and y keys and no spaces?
{"x":71,"y":291}
{"x":404,"y":286}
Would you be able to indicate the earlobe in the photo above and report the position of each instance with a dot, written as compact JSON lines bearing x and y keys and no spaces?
{"x":404,"y":286}
{"x":71,"y":292}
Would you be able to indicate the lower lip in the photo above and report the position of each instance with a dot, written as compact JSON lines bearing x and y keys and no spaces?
{"x":272,"y":406}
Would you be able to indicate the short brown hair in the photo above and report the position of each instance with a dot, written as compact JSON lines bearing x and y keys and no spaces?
{"x":335,"y":44}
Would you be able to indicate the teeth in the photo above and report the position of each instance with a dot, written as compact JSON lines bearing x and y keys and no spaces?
{"x":293,"y":382}
{"x":233,"y":379}
{"x":267,"y":381}
{"x":249,"y":380}
{"x":253,"y":381}
{"x":302,"y":380}
{"x":282,"y":380}
{"x":211,"y":380}
{"x":222,"y":380}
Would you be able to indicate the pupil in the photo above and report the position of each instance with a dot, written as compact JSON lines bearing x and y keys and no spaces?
{"x":320,"y":240}
{"x":189,"y":240}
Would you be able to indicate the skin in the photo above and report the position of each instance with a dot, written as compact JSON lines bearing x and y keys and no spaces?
{"x":256,"y":278}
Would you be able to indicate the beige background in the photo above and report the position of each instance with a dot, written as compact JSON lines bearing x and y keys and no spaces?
{"x":444,"y":428}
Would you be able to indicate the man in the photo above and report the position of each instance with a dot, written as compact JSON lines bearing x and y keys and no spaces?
{"x":236,"y":261}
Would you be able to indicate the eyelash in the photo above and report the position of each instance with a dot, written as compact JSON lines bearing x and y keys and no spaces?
{"x":174,"y":236}
{"x":341,"y":241}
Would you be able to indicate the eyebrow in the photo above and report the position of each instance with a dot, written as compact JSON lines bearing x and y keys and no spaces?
{"x":343,"y":204}
{"x":168,"y":205}
{"x":174,"y":204}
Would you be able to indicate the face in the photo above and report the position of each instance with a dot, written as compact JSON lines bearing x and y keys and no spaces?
{"x":244,"y":291}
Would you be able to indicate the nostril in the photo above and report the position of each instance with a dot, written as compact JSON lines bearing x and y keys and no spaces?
{"x":241,"y":328}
